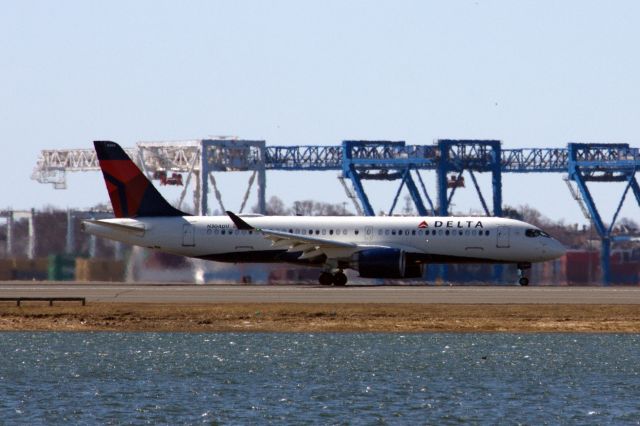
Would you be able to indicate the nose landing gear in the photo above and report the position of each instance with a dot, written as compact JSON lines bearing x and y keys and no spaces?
{"x":337,"y":279}
{"x":522,"y":267}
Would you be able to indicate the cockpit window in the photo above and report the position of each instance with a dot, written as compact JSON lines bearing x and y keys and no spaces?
{"x":533,"y":233}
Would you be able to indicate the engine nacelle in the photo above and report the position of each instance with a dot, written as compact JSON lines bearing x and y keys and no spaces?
{"x":384,"y":263}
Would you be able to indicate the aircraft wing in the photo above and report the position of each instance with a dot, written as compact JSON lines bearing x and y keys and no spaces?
{"x":310,"y":246}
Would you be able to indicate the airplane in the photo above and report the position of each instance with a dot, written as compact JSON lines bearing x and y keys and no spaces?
{"x":376,"y":247}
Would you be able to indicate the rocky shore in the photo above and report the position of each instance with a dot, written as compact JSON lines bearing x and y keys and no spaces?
{"x":303,"y":317}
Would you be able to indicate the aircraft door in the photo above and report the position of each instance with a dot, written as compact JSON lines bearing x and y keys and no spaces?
{"x":503,"y":237}
{"x":368,"y":232}
{"x":188,"y":235}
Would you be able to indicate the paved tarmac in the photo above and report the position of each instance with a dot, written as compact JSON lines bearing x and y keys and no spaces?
{"x":154,"y":293}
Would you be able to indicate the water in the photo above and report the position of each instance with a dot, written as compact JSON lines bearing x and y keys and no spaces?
{"x":345,"y":378}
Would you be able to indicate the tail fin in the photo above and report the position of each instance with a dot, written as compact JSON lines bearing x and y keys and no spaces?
{"x":131,"y":193}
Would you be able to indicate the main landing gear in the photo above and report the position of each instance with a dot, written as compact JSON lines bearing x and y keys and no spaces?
{"x":337,"y":279}
{"x":522,"y":267}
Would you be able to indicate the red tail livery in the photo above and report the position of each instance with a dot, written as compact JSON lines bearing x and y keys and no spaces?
{"x":131,"y":193}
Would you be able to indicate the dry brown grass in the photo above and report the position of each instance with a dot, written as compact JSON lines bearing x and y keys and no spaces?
{"x":290,"y":317}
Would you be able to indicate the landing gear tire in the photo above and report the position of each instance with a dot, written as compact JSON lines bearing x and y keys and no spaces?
{"x":325,"y":278}
{"x":522,"y":267}
{"x":339,"y":279}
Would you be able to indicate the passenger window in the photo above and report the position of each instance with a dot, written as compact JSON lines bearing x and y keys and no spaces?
{"x":291,"y":231}
{"x":393,"y":232}
{"x":486,"y":233}
{"x":446,"y":232}
{"x":460,"y":232}
{"x":344,"y":232}
{"x":386,"y":232}
{"x":474,"y":232}
{"x":317,"y":232}
{"x":440,"y":232}
{"x":467,"y":232}
{"x":356,"y":232}
{"x":330,"y":231}
{"x":217,"y":231}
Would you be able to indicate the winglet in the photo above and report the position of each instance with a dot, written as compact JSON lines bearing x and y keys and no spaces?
{"x":241,"y":224}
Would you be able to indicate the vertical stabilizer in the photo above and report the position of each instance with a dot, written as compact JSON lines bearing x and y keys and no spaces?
{"x":131,"y":193}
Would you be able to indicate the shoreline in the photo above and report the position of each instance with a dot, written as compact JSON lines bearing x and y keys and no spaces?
{"x":320,"y":317}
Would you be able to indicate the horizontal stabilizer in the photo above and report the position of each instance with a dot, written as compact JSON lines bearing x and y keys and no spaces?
{"x":137,"y":230}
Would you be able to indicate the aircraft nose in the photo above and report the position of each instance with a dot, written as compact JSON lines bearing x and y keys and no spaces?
{"x":556,"y":249}
{"x":551,"y":249}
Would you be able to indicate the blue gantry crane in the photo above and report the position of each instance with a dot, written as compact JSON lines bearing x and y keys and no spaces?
{"x":395,"y":160}
{"x":600,"y":162}
{"x":360,"y":161}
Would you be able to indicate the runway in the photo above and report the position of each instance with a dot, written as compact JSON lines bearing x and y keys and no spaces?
{"x":190,"y":294}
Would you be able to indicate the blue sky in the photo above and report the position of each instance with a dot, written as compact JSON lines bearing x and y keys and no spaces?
{"x":532,"y":74}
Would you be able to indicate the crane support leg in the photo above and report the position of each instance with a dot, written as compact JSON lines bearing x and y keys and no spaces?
{"x":415,"y":195}
{"x":624,"y":195}
{"x":426,"y":194}
{"x":597,"y":221}
{"x":484,"y":203}
{"x":636,"y":189}
{"x":591,"y":205}
{"x":357,"y":186}
{"x":496,"y":179}
{"x":395,"y":199}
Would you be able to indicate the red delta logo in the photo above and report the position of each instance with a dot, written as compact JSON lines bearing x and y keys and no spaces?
{"x":423,"y":224}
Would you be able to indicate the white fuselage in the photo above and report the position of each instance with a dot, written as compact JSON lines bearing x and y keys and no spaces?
{"x":438,"y":239}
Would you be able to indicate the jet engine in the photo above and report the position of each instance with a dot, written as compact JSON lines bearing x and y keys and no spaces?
{"x":384,"y":263}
